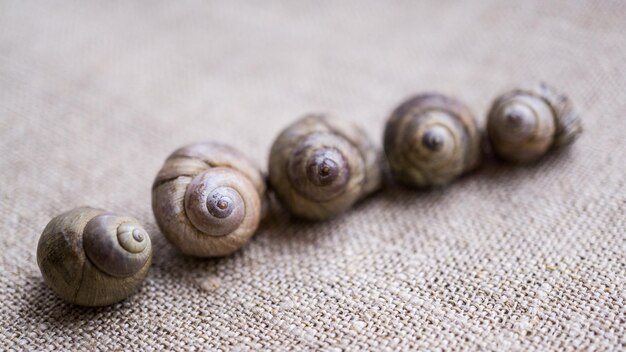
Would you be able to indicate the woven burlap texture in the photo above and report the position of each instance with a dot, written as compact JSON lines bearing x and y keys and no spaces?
{"x":95,"y":95}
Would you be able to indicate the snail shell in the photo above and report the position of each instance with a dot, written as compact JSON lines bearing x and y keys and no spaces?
{"x":523,"y":124}
{"x":208,"y":199}
{"x":91,"y":257}
{"x":431,"y":139}
{"x":320,"y":166}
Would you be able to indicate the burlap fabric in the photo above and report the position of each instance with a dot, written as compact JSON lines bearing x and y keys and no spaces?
{"x":95,"y":95}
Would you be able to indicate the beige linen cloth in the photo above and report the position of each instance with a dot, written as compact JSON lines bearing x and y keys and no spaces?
{"x":95,"y":95}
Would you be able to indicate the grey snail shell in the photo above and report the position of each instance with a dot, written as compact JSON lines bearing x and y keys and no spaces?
{"x":91,"y":257}
{"x":523,"y":124}
{"x":208,"y":199}
{"x":430,"y":139}
{"x":319,"y":166}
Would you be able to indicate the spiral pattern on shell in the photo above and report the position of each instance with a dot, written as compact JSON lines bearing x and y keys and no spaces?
{"x":208,"y":199}
{"x":523,"y":124}
{"x":319,"y":166}
{"x":430,"y":139}
{"x":92,"y":257}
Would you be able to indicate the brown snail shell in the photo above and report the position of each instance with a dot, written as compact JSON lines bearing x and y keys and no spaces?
{"x":92,"y":257}
{"x":523,"y":124}
{"x":319,"y":166}
{"x":208,"y":199}
{"x":430,"y":139}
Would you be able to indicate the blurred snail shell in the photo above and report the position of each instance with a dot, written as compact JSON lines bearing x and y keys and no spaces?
{"x":431,"y":139}
{"x":319,"y":166}
{"x":523,"y":124}
{"x":208,"y":199}
{"x":92,"y":257}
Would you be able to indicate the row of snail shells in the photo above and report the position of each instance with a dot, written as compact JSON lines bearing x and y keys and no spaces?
{"x":431,"y":139}
{"x":208,"y":199}
{"x":319,"y":166}
{"x":92,"y":257}
{"x":523,"y":124}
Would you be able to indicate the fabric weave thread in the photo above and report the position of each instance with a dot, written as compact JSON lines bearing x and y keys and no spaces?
{"x":95,"y":95}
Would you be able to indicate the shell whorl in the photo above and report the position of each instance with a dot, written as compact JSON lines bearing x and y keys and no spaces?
{"x":92,"y":257}
{"x":430,"y":139}
{"x":320,"y":166}
{"x":118,"y":245}
{"x":208,"y":199}
{"x":214,"y":202}
{"x":523,"y":124}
